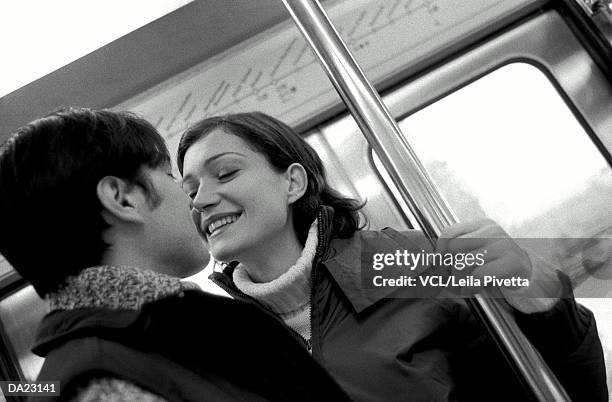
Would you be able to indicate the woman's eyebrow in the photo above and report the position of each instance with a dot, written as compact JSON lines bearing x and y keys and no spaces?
{"x":219,"y":155}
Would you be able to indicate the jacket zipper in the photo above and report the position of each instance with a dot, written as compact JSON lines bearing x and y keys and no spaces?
{"x":238,"y":295}
{"x":321,"y":233}
{"x":313,"y":278}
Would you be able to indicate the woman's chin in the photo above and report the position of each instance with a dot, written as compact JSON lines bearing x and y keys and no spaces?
{"x":222,"y":253}
{"x":235,"y":249}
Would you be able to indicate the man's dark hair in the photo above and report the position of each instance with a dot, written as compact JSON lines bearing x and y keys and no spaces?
{"x":50,"y":214}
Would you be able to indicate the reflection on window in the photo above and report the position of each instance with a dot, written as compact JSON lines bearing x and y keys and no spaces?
{"x":20,"y":313}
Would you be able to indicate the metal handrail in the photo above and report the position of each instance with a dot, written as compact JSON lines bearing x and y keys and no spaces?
{"x":414,"y":184}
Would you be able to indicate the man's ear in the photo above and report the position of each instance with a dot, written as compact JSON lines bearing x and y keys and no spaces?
{"x":120,"y":200}
{"x":298,"y":182}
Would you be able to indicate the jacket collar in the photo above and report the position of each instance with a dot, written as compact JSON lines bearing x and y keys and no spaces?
{"x":346,"y":267}
{"x":347,"y":260}
{"x":102,"y":298}
{"x":115,"y":288}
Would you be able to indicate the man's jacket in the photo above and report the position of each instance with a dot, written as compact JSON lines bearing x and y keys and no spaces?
{"x":186,"y":346}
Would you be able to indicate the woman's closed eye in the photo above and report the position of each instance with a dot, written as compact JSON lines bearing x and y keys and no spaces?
{"x":227,"y":175}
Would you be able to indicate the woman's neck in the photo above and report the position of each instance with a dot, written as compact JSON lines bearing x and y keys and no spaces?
{"x":274,"y":258}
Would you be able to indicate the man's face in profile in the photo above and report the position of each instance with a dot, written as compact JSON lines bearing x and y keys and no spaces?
{"x":170,"y":228}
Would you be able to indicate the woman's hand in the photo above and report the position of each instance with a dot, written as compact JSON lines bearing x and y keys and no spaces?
{"x":506,"y":262}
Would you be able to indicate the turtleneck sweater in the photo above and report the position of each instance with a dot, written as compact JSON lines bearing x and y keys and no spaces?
{"x":289,"y":294}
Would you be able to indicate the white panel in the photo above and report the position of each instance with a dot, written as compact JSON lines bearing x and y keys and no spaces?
{"x":277,"y":73}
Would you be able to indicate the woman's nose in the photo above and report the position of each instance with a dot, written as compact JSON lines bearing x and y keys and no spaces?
{"x":204,"y":200}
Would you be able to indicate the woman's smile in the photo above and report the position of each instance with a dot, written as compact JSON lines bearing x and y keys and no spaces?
{"x":219,"y":224}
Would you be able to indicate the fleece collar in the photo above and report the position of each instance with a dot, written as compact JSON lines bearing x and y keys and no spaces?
{"x":116,"y":288}
{"x":288,"y":293}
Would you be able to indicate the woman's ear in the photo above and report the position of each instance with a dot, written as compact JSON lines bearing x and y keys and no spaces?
{"x":120,"y":200}
{"x":298,"y":182}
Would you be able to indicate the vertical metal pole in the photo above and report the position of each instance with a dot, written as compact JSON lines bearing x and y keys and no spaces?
{"x":414,"y":184}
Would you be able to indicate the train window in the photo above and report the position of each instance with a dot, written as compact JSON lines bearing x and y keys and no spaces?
{"x":20,"y":314}
{"x":524,"y":161}
{"x":508,"y":146}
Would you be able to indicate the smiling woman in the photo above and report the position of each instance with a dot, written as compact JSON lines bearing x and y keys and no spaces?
{"x":505,"y":103}
{"x":231,"y":202}
{"x":255,"y":186}
{"x":261,"y":200}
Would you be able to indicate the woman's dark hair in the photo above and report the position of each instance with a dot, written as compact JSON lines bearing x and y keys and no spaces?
{"x":49,"y":170}
{"x":282,"y":146}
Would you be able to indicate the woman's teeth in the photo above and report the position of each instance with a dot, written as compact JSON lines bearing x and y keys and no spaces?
{"x":221,"y":222}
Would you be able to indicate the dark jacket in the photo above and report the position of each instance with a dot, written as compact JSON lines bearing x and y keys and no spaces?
{"x":194,"y":347}
{"x":381,"y":347}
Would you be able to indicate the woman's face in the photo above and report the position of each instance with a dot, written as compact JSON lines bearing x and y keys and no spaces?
{"x":240,"y":201}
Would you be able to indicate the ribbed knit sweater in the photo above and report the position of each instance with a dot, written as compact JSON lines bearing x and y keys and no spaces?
{"x":289,"y":294}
